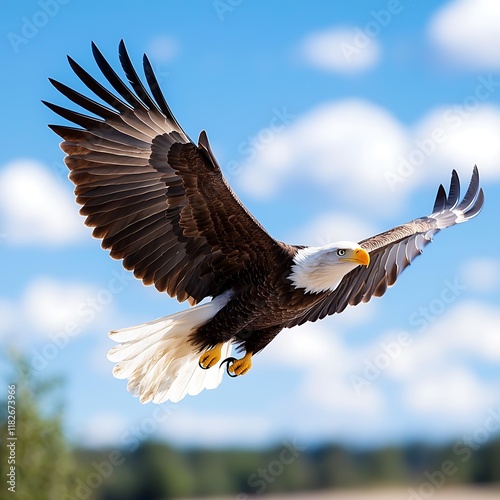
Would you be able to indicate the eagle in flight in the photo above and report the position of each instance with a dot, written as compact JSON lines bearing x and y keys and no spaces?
{"x":160,"y":203}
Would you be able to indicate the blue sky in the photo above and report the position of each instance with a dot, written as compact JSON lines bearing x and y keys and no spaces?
{"x":331,"y":121}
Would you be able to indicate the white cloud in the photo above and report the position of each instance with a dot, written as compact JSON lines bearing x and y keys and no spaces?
{"x":325,"y":363}
{"x":304,"y":347}
{"x":471,"y":328}
{"x":481,"y":275}
{"x":317,"y":344}
{"x":357,"y":315}
{"x":341,"y":50}
{"x":333,"y":362}
{"x":466,"y":138}
{"x":345,"y":146}
{"x":162,"y":48}
{"x":468,"y":331}
{"x":217,"y":429}
{"x":437,"y":372}
{"x":56,"y":310}
{"x":326,"y":389}
{"x":103,"y":429}
{"x":35,"y":208}
{"x":50,"y":305}
{"x":361,"y":154}
{"x":432,"y":375}
{"x":466,"y":32}
{"x":329,"y":227}
{"x":456,"y":394}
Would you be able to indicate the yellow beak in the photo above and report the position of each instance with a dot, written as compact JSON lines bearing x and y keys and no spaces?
{"x":361,"y":257}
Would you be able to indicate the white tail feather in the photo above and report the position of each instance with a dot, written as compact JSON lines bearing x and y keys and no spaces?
{"x":159,"y":361}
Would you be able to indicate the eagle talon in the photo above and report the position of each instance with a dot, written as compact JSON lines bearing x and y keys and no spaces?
{"x":240,"y":366}
{"x":210,"y":358}
{"x":230,"y":361}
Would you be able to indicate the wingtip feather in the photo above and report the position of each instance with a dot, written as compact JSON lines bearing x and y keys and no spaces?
{"x":454,"y":191}
{"x":440,"y":202}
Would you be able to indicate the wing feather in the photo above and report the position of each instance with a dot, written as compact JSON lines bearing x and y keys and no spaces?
{"x":394,"y":250}
{"x":157,"y":200}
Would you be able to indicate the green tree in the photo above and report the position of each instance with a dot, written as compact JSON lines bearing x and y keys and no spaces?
{"x":31,"y":412}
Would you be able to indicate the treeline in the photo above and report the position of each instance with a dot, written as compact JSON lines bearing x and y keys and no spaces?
{"x":158,"y":471}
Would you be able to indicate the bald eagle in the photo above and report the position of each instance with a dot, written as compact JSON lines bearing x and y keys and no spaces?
{"x":160,"y":203}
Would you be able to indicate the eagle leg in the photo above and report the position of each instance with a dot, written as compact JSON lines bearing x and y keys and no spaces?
{"x":211,"y":357}
{"x":240,"y":366}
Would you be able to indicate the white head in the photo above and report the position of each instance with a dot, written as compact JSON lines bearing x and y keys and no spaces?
{"x":318,"y":269}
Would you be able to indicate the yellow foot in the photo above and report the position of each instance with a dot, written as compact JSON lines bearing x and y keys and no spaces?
{"x":211,"y":357}
{"x":241,"y":366}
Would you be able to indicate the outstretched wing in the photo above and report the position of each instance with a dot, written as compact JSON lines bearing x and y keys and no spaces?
{"x":157,"y":201}
{"x":392,"y":251}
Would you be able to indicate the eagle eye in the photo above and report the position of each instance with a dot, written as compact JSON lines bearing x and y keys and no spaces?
{"x":340,"y":252}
